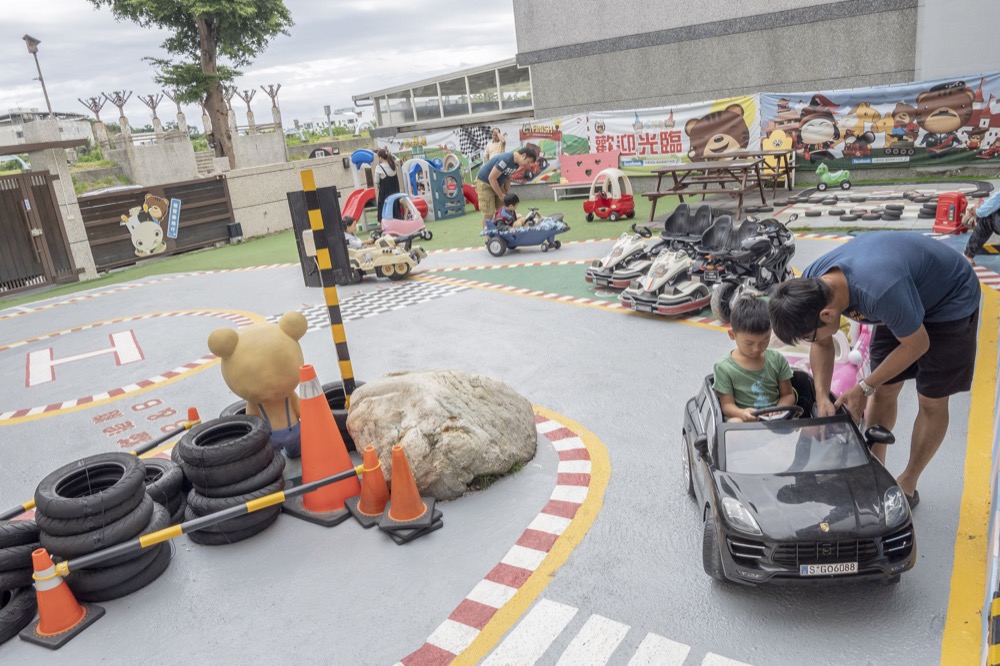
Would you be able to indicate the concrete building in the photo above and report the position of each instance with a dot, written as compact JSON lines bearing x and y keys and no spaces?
{"x":71,"y":125}
{"x":593,"y":55}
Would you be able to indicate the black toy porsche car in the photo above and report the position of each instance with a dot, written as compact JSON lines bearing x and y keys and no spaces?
{"x":795,"y":499}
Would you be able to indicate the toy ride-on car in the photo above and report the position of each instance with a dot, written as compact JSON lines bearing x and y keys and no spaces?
{"x":610,"y":197}
{"x":535,"y":231}
{"x":827,"y":179}
{"x":410,"y":224}
{"x":387,"y":257}
{"x":793,"y":500}
{"x":629,"y":250}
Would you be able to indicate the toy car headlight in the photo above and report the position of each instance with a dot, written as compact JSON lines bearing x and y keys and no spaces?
{"x":895,"y":506}
{"x":739,"y":517}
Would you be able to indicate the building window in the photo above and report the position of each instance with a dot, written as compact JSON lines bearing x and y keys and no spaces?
{"x":455,"y":98}
{"x":383,"y":111}
{"x":400,"y":110}
{"x":515,"y":88}
{"x":483,"y":90}
{"x":426,"y":100}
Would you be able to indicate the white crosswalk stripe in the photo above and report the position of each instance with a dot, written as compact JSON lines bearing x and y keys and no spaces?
{"x":594,"y":644}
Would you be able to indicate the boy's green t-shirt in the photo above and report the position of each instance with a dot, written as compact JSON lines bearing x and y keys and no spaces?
{"x":756,"y":389}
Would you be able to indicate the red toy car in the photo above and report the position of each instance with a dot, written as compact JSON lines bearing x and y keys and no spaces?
{"x":610,"y":197}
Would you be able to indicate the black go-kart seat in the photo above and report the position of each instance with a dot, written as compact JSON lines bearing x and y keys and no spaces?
{"x":700,"y":223}
{"x":676,"y":226}
{"x":716,"y":236}
{"x":735,"y":246}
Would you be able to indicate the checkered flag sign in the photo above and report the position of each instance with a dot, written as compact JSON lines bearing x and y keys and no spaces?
{"x":473,"y":139}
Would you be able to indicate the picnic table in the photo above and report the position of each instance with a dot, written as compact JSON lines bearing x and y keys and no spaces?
{"x":713,"y":177}
{"x":778,"y":164}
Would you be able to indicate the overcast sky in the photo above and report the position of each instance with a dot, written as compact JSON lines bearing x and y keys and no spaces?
{"x":336,"y":49}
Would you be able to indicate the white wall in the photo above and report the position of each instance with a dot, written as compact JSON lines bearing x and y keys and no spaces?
{"x":957,"y":37}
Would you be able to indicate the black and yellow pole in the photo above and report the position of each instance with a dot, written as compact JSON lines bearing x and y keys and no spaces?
{"x":167,"y":533}
{"x":329,"y":282}
{"x":193,"y":420}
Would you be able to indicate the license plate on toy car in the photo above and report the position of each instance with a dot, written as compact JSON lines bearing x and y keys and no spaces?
{"x":710,"y":276}
{"x":642,"y":307}
{"x":828,"y":569}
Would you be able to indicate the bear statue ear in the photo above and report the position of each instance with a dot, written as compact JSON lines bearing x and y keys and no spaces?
{"x":294,"y":324}
{"x":222,"y":342}
{"x":736,"y":108}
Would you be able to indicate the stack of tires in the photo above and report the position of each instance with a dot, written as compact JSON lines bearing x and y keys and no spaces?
{"x":165,"y":486}
{"x":230,"y":461}
{"x":95,"y":503}
{"x":17,"y":597}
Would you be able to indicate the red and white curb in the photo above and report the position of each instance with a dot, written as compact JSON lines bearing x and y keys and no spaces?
{"x":462,"y":627}
{"x":493,"y":267}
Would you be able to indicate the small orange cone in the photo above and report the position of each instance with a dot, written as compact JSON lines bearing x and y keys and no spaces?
{"x":60,"y":615}
{"x":323,"y":454}
{"x":407,"y":510}
{"x":193,"y":416}
{"x":369,"y":507}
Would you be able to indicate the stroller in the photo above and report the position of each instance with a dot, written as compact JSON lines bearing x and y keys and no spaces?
{"x":536,"y":231}
{"x":753,"y":257}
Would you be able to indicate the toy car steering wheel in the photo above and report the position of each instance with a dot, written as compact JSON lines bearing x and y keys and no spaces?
{"x":786,"y":411}
{"x":642,"y":231}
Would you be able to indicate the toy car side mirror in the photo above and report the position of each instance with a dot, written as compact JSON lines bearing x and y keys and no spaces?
{"x":701,"y":445}
{"x":879,"y":435}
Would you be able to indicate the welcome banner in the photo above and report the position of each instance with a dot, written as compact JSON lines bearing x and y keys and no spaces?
{"x":939,"y":122}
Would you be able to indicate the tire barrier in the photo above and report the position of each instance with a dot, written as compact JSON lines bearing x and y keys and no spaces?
{"x":17,"y":609}
{"x":100,"y":502}
{"x":229,"y":462}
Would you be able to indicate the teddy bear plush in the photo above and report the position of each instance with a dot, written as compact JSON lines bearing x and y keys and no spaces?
{"x":261,"y":365}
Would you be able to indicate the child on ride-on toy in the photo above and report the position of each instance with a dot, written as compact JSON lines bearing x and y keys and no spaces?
{"x":508,"y":214}
{"x":752,"y":376}
{"x":351,"y":234}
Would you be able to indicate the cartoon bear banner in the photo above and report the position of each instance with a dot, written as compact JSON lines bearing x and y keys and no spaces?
{"x":945,"y":121}
{"x":651,"y":138}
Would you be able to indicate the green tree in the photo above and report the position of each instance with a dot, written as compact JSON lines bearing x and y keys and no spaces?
{"x":200,"y":32}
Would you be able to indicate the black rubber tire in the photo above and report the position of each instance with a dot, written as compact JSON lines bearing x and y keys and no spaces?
{"x":74,"y":526}
{"x":67,"y":493}
{"x":11,"y":580}
{"x":836,"y":211}
{"x":813,"y":213}
{"x":765,"y":209}
{"x":18,"y":533}
{"x":177,"y":516}
{"x":17,"y":557}
{"x":234,"y":472}
{"x":174,"y":502}
{"x":133,"y":584}
{"x":871,"y":217}
{"x":711,"y":556}
{"x":899,"y":207}
{"x":246,"y":521}
{"x":926,"y":216}
{"x":857,"y":198}
{"x":17,"y":610}
{"x":722,"y":296}
{"x":888,"y":216}
{"x":224,"y":538}
{"x":202,"y":506}
{"x":164,"y":479}
{"x":121,"y":530}
{"x":90,"y":581}
{"x":269,"y":475}
{"x":848,"y":218}
{"x":159,"y":521}
{"x":224,"y":441}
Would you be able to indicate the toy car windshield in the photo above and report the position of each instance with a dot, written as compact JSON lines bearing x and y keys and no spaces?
{"x":809,"y":448}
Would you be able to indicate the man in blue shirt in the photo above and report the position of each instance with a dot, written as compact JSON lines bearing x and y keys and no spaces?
{"x":984,"y":220}
{"x":923,"y":298}
{"x":492,"y":182}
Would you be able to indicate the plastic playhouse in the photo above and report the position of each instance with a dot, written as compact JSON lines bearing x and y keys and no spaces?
{"x":610,"y":197}
{"x":436,"y":185}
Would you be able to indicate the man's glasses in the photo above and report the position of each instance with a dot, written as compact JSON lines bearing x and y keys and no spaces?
{"x":815,"y":329}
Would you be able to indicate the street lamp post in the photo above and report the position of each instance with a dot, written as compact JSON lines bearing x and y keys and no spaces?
{"x":32,"y":45}
{"x":329,"y":125}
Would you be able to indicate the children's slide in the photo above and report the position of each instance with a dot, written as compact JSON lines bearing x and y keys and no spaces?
{"x":470,"y":195}
{"x":356,"y":202}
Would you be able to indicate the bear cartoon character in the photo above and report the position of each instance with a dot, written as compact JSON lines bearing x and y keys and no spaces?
{"x":153,"y":209}
{"x":260,"y":364}
{"x":904,"y":122}
{"x":941,"y":112}
{"x":717,"y":133}
{"x":147,"y":237}
{"x":818,"y":131}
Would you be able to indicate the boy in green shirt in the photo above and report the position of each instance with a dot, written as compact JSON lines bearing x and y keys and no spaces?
{"x":752,"y":376}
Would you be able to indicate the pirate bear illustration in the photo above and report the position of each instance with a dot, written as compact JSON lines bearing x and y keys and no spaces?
{"x":941,"y":111}
{"x":718,"y":132}
{"x":818,"y":131}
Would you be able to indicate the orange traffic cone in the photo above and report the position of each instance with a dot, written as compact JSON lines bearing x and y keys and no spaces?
{"x":60,"y":615}
{"x":369,"y":507}
{"x":407,"y":510}
{"x":193,"y":416}
{"x":323,"y":454}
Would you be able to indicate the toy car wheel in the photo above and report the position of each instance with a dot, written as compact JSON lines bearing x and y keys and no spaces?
{"x":557,"y":244}
{"x":630,"y":215}
{"x":590,"y":217}
{"x":545,"y":247}
{"x":846,"y":185}
{"x":399,"y":271}
{"x":711,"y":556}
{"x":613,"y":217}
{"x":686,"y":464}
{"x":426,"y":234}
{"x":496,"y":246}
{"x":821,"y":187}
{"x":722,"y":295}
{"x":388,"y":270}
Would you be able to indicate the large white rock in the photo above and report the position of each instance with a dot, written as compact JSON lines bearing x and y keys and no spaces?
{"x":453,"y":426}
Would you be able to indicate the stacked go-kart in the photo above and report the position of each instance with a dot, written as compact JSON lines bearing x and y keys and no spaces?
{"x":535,"y":231}
{"x":628,"y":251}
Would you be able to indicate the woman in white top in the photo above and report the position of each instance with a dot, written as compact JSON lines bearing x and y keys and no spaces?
{"x":386,"y":181}
{"x":496,"y":146}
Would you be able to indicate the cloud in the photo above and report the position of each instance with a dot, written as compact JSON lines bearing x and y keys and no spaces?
{"x":334,"y":50}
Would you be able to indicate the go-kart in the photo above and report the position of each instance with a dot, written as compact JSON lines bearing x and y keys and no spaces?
{"x":794,"y":500}
{"x":387,"y":257}
{"x":753,"y":257}
{"x":667,"y":288}
{"x":535,"y":231}
{"x":627,"y":252}
{"x":827,"y":179}
{"x":681,"y":231}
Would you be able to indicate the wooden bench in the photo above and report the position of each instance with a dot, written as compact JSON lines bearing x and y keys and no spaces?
{"x":569,"y":190}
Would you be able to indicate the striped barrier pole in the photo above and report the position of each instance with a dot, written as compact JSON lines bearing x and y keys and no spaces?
{"x":167,"y":533}
{"x":329,"y":282}
{"x":138,"y":451}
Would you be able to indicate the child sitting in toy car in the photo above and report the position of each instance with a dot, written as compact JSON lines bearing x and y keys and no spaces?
{"x":351,"y":234}
{"x":752,"y":376}
{"x":508,"y":214}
